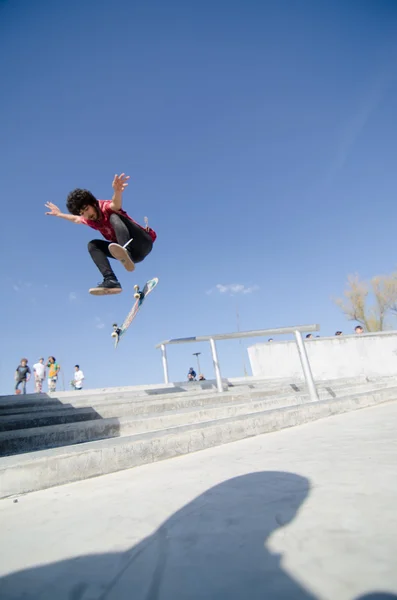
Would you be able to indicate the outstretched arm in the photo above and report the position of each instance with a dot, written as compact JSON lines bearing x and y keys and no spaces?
{"x":119,"y":184}
{"x":54,"y":211}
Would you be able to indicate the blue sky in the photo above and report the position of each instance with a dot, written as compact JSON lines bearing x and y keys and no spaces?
{"x":261,"y":141}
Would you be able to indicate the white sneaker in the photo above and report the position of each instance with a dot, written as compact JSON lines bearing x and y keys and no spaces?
{"x":122,"y":255}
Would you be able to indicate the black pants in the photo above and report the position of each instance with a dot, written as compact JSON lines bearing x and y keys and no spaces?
{"x":124,"y":229}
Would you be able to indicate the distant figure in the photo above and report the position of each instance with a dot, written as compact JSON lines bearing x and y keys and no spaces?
{"x":22,"y":375}
{"x":338,"y":333}
{"x":77,"y":382}
{"x":201,"y":377}
{"x":39,"y":375}
{"x":191,"y":376}
{"x":358,"y":329}
{"x":270,"y":340}
{"x":116,"y":331}
{"x":309,"y":335}
{"x":54,"y":369}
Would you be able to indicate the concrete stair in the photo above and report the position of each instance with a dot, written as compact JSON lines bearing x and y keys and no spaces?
{"x":48,"y":440}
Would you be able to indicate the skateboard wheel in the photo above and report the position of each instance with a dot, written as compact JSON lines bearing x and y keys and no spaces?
{"x":137,"y":296}
{"x":136,"y":287}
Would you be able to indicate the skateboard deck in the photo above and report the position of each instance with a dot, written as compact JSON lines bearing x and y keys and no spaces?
{"x":139,"y":296}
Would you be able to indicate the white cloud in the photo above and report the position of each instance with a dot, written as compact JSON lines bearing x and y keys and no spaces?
{"x":233,"y":289}
{"x":251,"y":289}
{"x":72,"y":296}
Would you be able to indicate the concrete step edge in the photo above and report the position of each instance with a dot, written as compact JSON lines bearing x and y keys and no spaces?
{"x":92,"y":399}
{"x":167,"y":404}
{"x":84,"y":415}
{"x":39,"y":470}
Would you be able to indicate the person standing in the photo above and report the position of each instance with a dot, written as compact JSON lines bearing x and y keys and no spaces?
{"x":77,"y":382}
{"x":22,"y":375}
{"x":39,"y":375}
{"x":53,"y":370}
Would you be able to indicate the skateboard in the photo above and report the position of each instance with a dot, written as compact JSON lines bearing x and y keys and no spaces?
{"x":139,"y":296}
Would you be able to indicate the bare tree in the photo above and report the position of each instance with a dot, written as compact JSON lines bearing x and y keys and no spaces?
{"x":370,"y":303}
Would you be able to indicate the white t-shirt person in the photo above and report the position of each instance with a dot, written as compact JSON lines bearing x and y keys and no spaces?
{"x":78,"y":378}
{"x":39,"y":369}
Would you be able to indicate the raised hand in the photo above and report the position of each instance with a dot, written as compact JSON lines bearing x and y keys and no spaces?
{"x":120,"y":182}
{"x":54,"y":210}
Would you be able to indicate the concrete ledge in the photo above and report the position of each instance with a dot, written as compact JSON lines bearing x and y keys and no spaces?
{"x":79,"y":427}
{"x":108,"y":394}
{"x":52,"y":436}
{"x":8,"y":403}
{"x":88,"y":398}
{"x":121,"y":406}
{"x":41,"y":418}
{"x":334,"y":357}
{"x":149,"y":390}
{"x":23,"y":473}
{"x":61,"y":427}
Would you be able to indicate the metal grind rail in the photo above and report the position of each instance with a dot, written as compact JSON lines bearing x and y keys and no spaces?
{"x":212,"y":339}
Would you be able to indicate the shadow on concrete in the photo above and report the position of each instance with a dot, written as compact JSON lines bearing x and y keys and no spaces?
{"x":183,"y":387}
{"x":164,"y":391}
{"x":34,"y":422}
{"x":214,"y":548}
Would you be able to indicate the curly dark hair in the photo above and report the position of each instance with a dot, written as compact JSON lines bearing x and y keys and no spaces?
{"x":79,"y":199}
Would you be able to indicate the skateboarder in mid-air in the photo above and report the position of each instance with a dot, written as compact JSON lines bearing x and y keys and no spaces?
{"x":127,"y":241}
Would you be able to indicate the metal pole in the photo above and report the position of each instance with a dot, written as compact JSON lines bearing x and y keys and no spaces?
{"x":306,"y":366}
{"x":240,"y":342}
{"x":165,"y":364}
{"x":218,"y":376}
{"x":196,"y":354}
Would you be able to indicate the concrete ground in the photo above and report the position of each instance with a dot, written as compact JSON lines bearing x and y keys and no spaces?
{"x":304,"y":513}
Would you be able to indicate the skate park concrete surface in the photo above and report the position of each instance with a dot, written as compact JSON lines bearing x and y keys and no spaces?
{"x":303,"y":513}
{"x":49,"y":440}
{"x":53,"y":439}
